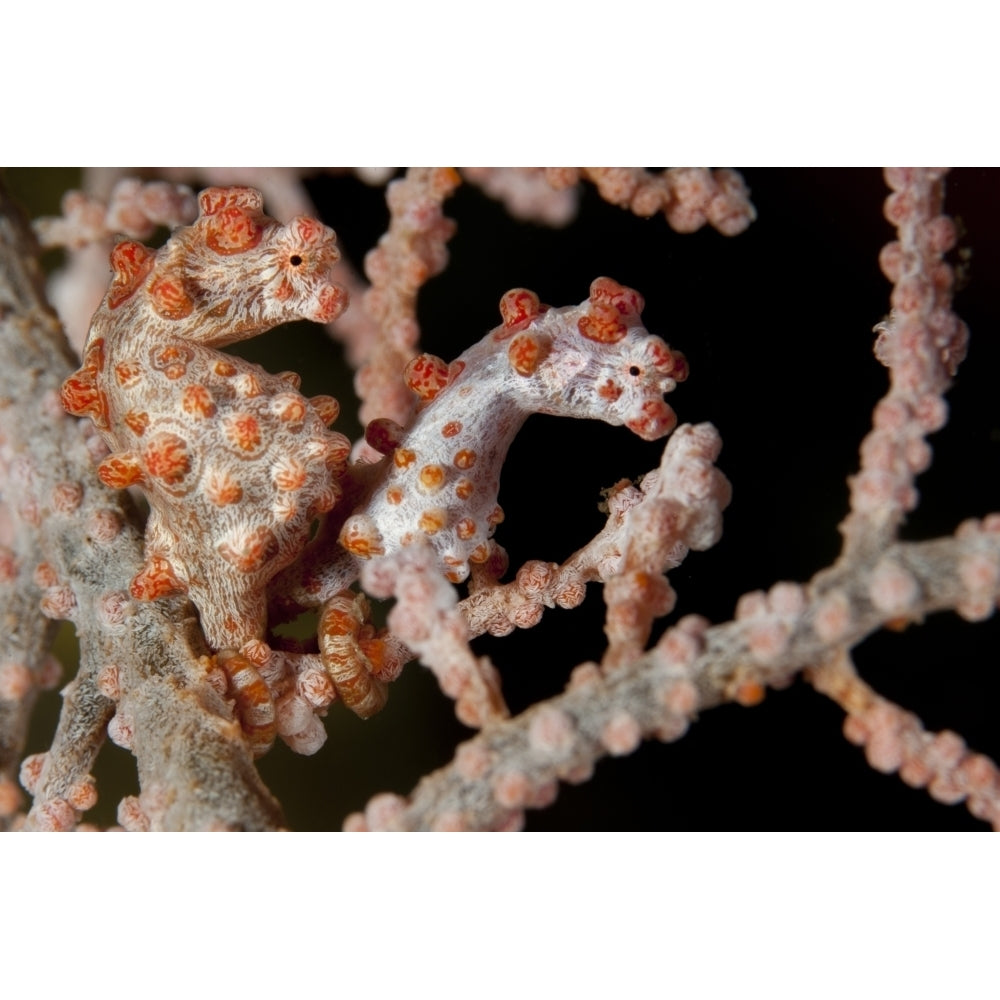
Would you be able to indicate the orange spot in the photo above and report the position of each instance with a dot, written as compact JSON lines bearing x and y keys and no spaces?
{"x":624,"y":300}
{"x":172,"y":360}
{"x":225,"y":368}
{"x":197,"y":401}
{"x":221,"y":489}
{"x":308,"y":230}
{"x":464,"y":489}
{"x":284,"y":290}
{"x":394,"y":495}
{"x":465,"y":459}
{"x":243,"y":431}
{"x":156,"y":579}
{"x":338,"y":451}
{"x":404,"y":457}
{"x":668,"y":362}
{"x":602,"y":324}
{"x":127,"y":373}
{"x":137,"y":422}
{"x":289,"y":407}
{"x":327,"y":407}
{"x":432,"y":521}
{"x":526,"y":352}
{"x":213,"y":200}
{"x":131,"y":262}
{"x":610,"y":391}
{"x":81,"y":395}
{"x":360,"y":536}
{"x":496,"y":515}
{"x":332,"y":302}
{"x":455,"y":369}
{"x":657,"y":419}
{"x":749,"y":693}
{"x":232,"y":230}
{"x":431,"y":478}
{"x":248,"y":386}
{"x":518,"y":307}
{"x":466,"y":528}
{"x":169,"y":298}
{"x":120,"y":470}
{"x":426,"y":375}
{"x":167,"y":458}
{"x":289,"y":474}
{"x":452,"y":428}
{"x":249,"y":550}
{"x":480,"y":553}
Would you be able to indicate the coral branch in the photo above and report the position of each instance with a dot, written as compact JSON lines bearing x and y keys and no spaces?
{"x":921,"y":343}
{"x":511,"y":766}
{"x":895,"y":740}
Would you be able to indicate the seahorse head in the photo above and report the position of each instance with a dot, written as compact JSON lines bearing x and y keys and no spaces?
{"x":593,"y":360}
{"x":233,"y":273}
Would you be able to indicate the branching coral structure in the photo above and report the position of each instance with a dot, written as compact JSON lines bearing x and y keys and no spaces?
{"x":281,"y":577}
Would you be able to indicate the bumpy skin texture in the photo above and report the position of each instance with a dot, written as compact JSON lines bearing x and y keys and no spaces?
{"x":236,"y":464}
{"x":442,"y":477}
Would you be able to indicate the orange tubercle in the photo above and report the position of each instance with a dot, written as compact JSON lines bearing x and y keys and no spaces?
{"x":243,"y":431}
{"x":197,"y":401}
{"x":137,"y":421}
{"x":167,"y":458}
{"x":626,"y":301}
{"x":526,"y":352}
{"x":602,"y":324}
{"x":518,"y":307}
{"x":431,"y":478}
{"x":403,"y":457}
{"x":156,"y":579}
{"x":169,"y":298}
{"x":231,"y":231}
{"x":426,"y":375}
{"x":131,"y":262}
{"x":221,"y":489}
{"x":432,"y":521}
{"x":120,"y":470}
{"x":249,"y":550}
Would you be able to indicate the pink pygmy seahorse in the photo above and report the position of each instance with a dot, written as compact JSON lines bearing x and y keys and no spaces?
{"x":235,"y":462}
{"x":440,"y":479}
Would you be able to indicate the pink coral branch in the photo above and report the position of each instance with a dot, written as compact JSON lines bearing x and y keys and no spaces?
{"x":412,"y":251}
{"x":896,"y":741}
{"x":921,"y":343}
{"x":692,"y":668}
{"x":688,"y":197}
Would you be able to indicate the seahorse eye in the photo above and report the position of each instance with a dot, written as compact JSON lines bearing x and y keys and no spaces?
{"x":635,"y":371}
{"x":295,"y":260}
